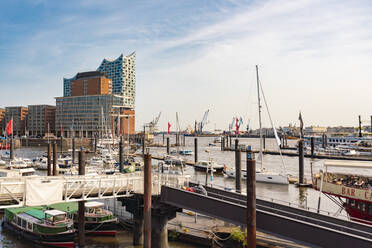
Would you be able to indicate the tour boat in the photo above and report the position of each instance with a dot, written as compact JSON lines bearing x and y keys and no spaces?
{"x":208,"y":165}
{"x":351,"y":191}
{"x":42,"y":227}
{"x":98,"y":221}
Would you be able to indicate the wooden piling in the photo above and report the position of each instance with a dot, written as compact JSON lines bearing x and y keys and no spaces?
{"x":73,"y":150}
{"x":49,"y":155}
{"x":81,"y":213}
{"x":11,"y":153}
{"x":264,"y":141}
{"x":238,"y":171}
{"x":168,"y":145}
{"x":301,"y":161}
{"x":121,"y":159}
{"x":147,"y":201}
{"x":312,"y":146}
{"x":55,"y":171}
{"x":251,"y":200}
{"x":196,"y":150}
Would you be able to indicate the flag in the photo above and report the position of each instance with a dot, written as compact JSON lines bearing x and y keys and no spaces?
{"x":301,"y":125}
{"x":237,"y":126}
{"x":277,"y":137}
{"x":169,"y":126}
{"x":9,"y":127}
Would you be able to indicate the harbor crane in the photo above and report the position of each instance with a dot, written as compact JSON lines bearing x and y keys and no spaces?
{"x":199,"y":126}
{"x":152,"y":126}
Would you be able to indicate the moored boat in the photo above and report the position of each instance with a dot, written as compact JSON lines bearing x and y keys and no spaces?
{"x":42,"y":227}
{"x":208,"y":165}
{"x":98,"y":221}
{"x":352,"y":191}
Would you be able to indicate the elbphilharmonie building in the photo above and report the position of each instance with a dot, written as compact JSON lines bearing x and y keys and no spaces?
{"x":122,"y":72}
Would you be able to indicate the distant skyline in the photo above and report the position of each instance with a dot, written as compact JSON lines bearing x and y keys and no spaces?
{"x":314,"y":56}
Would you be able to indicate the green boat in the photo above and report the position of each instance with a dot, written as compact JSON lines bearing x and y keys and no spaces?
{"x":43,"y":227}
{"x":98,"y":221}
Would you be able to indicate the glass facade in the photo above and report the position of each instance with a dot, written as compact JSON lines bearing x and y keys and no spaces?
{"x":84,"y":116}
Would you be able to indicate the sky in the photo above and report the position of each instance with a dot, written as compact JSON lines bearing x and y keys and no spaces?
{"x":314,"y":56}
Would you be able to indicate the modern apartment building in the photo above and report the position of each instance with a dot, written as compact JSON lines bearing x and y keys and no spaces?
{"x":41,"y":120}
{"x":122,"y":72}
{"x":19,"y":115}
{"x":90,"y":83}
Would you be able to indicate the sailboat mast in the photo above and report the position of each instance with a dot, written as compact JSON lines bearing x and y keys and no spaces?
{"x":259,"y":114}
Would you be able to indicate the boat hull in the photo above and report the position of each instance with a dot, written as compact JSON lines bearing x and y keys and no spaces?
{"x":107,"y":228}
{"x":262,"y":177}
{"x":56,"y":240}
{"x":202,"y":168}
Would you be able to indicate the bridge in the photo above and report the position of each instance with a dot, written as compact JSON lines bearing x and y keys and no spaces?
{"x":43,"y":190}
{"x":292,"y":223}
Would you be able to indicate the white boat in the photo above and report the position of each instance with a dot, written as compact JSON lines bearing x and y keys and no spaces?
{"x":208,"y":165}
{"x":2,"y":162}
{"x":40,"y":163}
{"x":17,"y":163}
{"x":174,"y":160}
{"x":17,"y":172}
{"x":261,"y":176}
{"x":96,"y":161}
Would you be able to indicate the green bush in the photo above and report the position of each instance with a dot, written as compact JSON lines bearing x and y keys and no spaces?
{"x":239,"y":236}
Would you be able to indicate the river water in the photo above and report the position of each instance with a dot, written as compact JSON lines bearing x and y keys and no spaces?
{"x":285,"y":194}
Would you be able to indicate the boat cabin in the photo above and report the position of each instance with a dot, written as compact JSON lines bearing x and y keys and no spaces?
{"x":55,"y":217}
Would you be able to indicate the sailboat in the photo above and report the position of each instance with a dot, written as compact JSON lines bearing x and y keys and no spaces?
{"x":263,"y":175}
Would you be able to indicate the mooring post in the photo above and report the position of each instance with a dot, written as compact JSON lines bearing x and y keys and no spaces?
{"x":61,"y":144}
{"x":95,"y":143}
{"x":184,"y":140}
{"x":121,"y":159}
{"x":230,"y":141}
{"x":163,"y":138}
{"x":49,"y":154}
{"x":167,"y":145}
{"x":264,"y":142}
{"x":301,"y":161}
{"x":238,"y":168}
{"x":81,"y":216}
{"x":73,"y":150}
{"x":222,"y":143}
{"x":55,"y":172}
{"x":11,"y":153}
{"x":196,"y":150}
{"x":251,"y":199}
{"x":147,"y":200}
{"x":143,"y":145}
{"x":312,"y":146}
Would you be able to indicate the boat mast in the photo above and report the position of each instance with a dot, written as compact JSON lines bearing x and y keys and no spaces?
{"x":259,"y":115}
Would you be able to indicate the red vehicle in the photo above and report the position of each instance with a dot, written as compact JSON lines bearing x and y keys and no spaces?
{"x":351,"y":191}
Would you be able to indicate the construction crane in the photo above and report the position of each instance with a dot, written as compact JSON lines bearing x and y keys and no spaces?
{"x":203,"y":123}
{"x":152,"y":126}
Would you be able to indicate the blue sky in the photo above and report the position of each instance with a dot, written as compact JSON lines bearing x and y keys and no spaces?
{"x":194,"y":55}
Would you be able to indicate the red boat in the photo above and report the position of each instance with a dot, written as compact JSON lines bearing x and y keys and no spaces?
{"x":350,"y":191}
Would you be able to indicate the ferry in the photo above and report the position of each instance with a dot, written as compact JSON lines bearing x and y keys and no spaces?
{"x":98,"y":221}
{"x":351,"y":191}
{"x":334,"y":141}
{"x":42,"y":227}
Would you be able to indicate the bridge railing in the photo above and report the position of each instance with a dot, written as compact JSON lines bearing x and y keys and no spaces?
{"x":32,"y":191}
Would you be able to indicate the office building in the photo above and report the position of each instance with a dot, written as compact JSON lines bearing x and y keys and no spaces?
{"x":2,"y":121}
{"x":19,"y":115}
{"x":41,"y":120}
{"x":86,"y":116}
